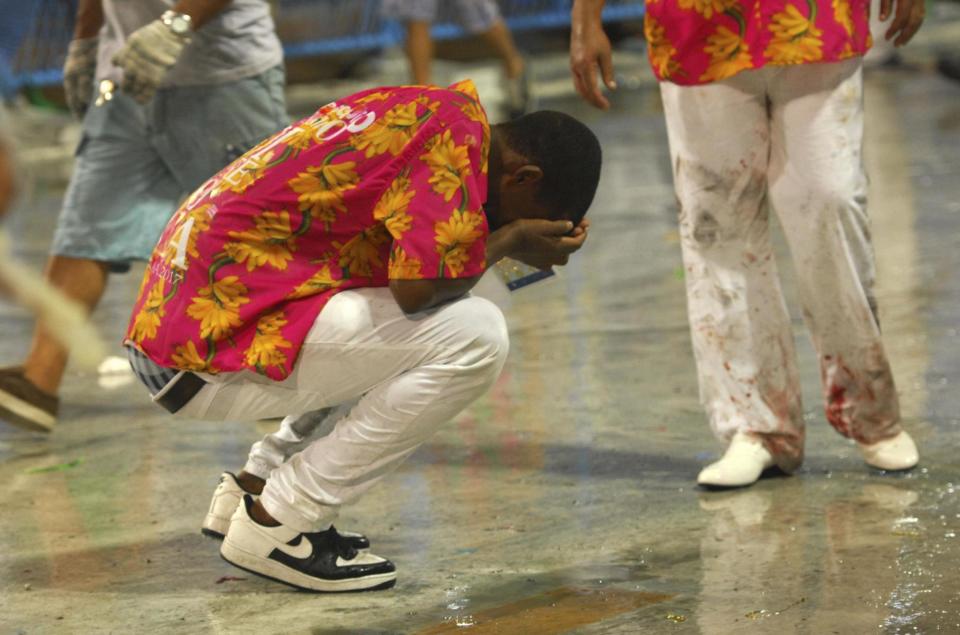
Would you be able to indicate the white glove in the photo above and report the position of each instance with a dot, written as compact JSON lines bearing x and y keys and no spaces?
{"x":78,"y":73}
{"x":149,"y":53}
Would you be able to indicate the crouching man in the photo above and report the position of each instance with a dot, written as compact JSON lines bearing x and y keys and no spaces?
{"x":332,"y":264}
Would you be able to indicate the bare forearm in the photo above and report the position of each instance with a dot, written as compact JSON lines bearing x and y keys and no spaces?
{"x":201,"y":11}
{"x":586,"y":11}
{"x":89,"y":19}
{"x":500,"y":244}
{"x":414,"y":296}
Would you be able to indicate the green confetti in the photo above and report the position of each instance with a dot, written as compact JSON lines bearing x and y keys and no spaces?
{"x":678,"y":273}
{"x":59,"y":467}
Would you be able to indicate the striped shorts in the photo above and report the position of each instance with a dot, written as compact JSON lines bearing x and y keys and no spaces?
{"x":155,"y":377}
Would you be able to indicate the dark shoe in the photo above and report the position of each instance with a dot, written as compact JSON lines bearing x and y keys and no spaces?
{"x":949,"y":66}
{"x":321,"y":561}
{"x":24,"y":405}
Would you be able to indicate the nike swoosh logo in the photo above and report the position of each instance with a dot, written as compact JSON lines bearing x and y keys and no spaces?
{"x":301,"y":551}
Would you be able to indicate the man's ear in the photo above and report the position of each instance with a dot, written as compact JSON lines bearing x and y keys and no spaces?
{"x":527,"y":174}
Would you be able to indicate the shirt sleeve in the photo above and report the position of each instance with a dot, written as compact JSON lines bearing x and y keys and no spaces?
{"x":434,"y":209}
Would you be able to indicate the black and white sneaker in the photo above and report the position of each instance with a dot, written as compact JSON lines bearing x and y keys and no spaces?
{"x":322,"y":561}
{"x":226,"y":499}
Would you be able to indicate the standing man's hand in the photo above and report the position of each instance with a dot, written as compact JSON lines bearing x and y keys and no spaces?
{"x":906,"y":21}
{"x":148,"y":54}
{"x":590,"y":48}
{"x":78,"y":73}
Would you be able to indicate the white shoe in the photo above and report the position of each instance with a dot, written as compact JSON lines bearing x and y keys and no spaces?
{"x":742,"y":464}
{"x":226,"y":498}
{"x":896,"y":453}
{"x":317,"y":561}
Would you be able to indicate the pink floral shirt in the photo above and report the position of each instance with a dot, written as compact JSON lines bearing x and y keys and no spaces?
{"x":385,"y":184}
{"x":702,"y":41}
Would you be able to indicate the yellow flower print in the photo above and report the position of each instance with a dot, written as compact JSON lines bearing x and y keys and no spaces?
{"x":360,"y":254}
{"x":467,"y":87}
{"x":187,"y":357}
{"x":244,"y":172}
{"x":663,"y":54}
{"x":321,"y":189}
{"x":843,"y":14}
{"x":144,"y":281}
{"x":264,"y":350}
{"x":402,"y":267}
{"x":391,"y":209}
{"x":304,"y":134}
{"x":151,"y":313}
{"x":390,"y":133}
{"x":449,"y":162}
{"x":217,"y":307}
{"x":271,"y":242}
{"x":374,"y":96}
{"x":729,"y":55}
{"x":707,"y":8}
{"x":201,"y":223}
{"x":795,"y":39}
{"x":340,"y":175}
{"x":454,"y":238}
{"x":424,"y":101}
{"x":319,"y":282}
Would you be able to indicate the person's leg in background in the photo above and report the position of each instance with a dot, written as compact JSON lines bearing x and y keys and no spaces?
{"x":477,"y":17}
{"x":482,"y":17}
{"x":818,"y":189}
{"x":419,"y":49}
{"x":742,"y":338}
{"x":134,"y":165}
{"x":118,"y":183}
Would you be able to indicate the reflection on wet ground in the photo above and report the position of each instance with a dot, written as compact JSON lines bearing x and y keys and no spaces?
{"x":564,"y":501}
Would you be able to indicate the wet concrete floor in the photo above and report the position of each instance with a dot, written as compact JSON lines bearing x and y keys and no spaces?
{"x":563,"y":501}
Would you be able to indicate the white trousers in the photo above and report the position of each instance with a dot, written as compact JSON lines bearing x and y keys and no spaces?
{"x":410,"y":375}
{"x":790,"y":137}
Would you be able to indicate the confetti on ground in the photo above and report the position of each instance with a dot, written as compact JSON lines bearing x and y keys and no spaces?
{"x":676,"y":617}
{"x":59,"y":467}
{"x":230,"y":578}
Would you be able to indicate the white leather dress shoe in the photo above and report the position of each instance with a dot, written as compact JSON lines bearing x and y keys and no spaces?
{"x":742,"y":464}
{"x":895,"y":453}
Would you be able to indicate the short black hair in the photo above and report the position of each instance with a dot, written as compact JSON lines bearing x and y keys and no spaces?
{"x":568,"y":153}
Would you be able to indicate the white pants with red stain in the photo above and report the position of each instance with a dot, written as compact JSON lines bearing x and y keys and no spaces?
{"x":787,"y":139}
{"x":407,"y":374}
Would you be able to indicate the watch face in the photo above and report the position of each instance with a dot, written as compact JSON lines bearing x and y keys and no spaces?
{"x":179,"y":25}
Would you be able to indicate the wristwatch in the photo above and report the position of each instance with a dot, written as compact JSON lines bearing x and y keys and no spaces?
{"x":178,"y":23}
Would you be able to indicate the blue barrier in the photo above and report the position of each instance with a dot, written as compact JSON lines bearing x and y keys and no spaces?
{"x":34,"y":34}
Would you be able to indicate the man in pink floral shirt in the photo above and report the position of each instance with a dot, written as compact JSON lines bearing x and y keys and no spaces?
{"x":764,"y":105}
{"x":331,"y":265}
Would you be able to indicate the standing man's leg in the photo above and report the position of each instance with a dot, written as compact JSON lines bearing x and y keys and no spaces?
{"x":483,"y":17}
{"x":119,"y":196}
{"x":818,"y":187}
{"x":419,"y":49}
{"x":134,"y":165}
{"x":742,"y":339}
